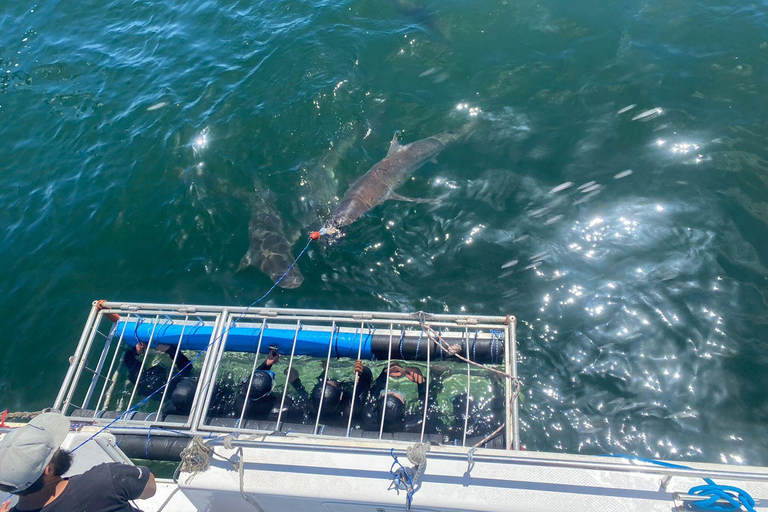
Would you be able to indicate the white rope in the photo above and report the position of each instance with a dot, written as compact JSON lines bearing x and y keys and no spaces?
{"x":168,"y":499}
{"x":240,"y":465}
{"x":196,"y":457}
{"x":417,"y":454}
{"x":409,"y":479}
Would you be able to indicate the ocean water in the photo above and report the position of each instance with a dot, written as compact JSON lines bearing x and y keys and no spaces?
{"x":614,"y":196}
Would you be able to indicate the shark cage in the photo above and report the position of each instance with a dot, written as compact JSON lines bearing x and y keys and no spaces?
{"x":156,"y":375}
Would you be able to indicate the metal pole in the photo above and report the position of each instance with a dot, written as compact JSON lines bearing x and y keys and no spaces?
{"x":58,"y":404}
{"x":209,"y":367}
{"x":357,"y":378}
{"x":99,"y":367}
{"x":426,"y":399}
{"x":143,"y":363}
{"x":510,"y":361}
{"x":173,"y":366}
{"x":325,"y":378}
{"x":386,"y":384}
{"x":215,"y":356}
{"x":469,"y":392}
{"x":290,"y":365}
{"x":111,"y":366}
{"x":405,"y":318}
{"x":253,"y":370}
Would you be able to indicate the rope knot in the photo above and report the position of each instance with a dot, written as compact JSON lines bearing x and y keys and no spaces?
{"x":196,"y":456}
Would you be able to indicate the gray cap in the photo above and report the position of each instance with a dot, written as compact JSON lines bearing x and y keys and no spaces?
{"x":27,"y":451}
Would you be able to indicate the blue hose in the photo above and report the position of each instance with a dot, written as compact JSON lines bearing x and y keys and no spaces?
{"x":735,"y":497}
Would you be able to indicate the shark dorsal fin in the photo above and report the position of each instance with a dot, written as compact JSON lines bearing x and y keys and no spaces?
{"x":394,"y":146}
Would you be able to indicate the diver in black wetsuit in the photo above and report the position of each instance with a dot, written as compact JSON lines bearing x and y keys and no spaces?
{"x":393,"y":406}
{"x":482,"y":415}
{"x":226,"y":402}
{"x":261,"y":401}
{"x":336,"y":397}
{"x":154,"y":377}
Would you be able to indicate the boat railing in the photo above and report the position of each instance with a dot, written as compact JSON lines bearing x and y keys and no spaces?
{"x":100,"y":389}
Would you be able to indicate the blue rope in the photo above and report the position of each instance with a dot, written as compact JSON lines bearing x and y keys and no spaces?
{"x":402,"y":338}
{"x":497,"y":338}
{"x":135,"y":407}
{"x":398,"y":480}
{"x":281,"y":278}
{"x":418,"y":344}
{"x":733,"y":495}
{"x":139,"y":321}
{"x":146,"y":447}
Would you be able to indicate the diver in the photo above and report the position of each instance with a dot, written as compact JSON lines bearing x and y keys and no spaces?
{"x":481,"y":413}
{"x":261,"y":402}
{"x":224,"y":400}
{"x":390,"y":402}
{"x":332,"y":397}
{"x":154,"y":377}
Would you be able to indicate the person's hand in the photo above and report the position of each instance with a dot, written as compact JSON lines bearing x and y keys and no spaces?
{"x":5,"y":507}
{"x":273,"y":357}
{"x":163,"y":347}
{"x":111,"y":316}
{"x":141,"y":347}
{"x":395,"y":371}
{"x":359,"y":367}
{"x":292,"y":375}
{"x":414,"y":375}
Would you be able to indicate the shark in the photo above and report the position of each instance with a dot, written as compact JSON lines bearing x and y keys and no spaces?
{"x":380,"y":182}
{"x":270,"y":248}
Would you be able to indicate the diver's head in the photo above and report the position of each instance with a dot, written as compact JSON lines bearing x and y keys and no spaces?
{"x":393,"y":409}
{"x":183,"y":395}
{"x":331,"y":397}
{"x":460,"y":406}
{"x":261,"y":385}
{"x":152,"y":379}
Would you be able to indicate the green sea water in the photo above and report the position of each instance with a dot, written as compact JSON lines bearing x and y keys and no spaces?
{"x":614,"y":196}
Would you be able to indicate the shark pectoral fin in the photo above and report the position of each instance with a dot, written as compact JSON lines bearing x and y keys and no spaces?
{"x":394,"y":146}
{"x":246,"y":261}
{"x":398,"y":197}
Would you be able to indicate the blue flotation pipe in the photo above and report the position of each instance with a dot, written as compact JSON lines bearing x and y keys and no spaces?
{"x":410,"y":345}
{"x":246,"y":339}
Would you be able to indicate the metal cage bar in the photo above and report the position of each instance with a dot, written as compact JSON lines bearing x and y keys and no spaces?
{"x":357,"y":379}
{"x":386,"y":384}
{"x":510,"y":355}
{"x":325,"y":377}
{"x":426,"y":397}
{"x":173,"y":366}
{"x":109,"y":372}
{"x":99,"y":367}
{"x":143,"y":363}
{"x":290,"y":365}
{"x":197,"y":414}
{"x":469,"y":392}
{"x":253,"y":370}
{"x":60,"y":402}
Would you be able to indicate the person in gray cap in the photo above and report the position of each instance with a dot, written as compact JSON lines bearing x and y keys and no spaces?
{"x":32,"y":464}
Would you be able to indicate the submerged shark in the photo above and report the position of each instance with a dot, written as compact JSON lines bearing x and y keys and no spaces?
{"x":380,"y":182}
{"x":270,"y":248}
